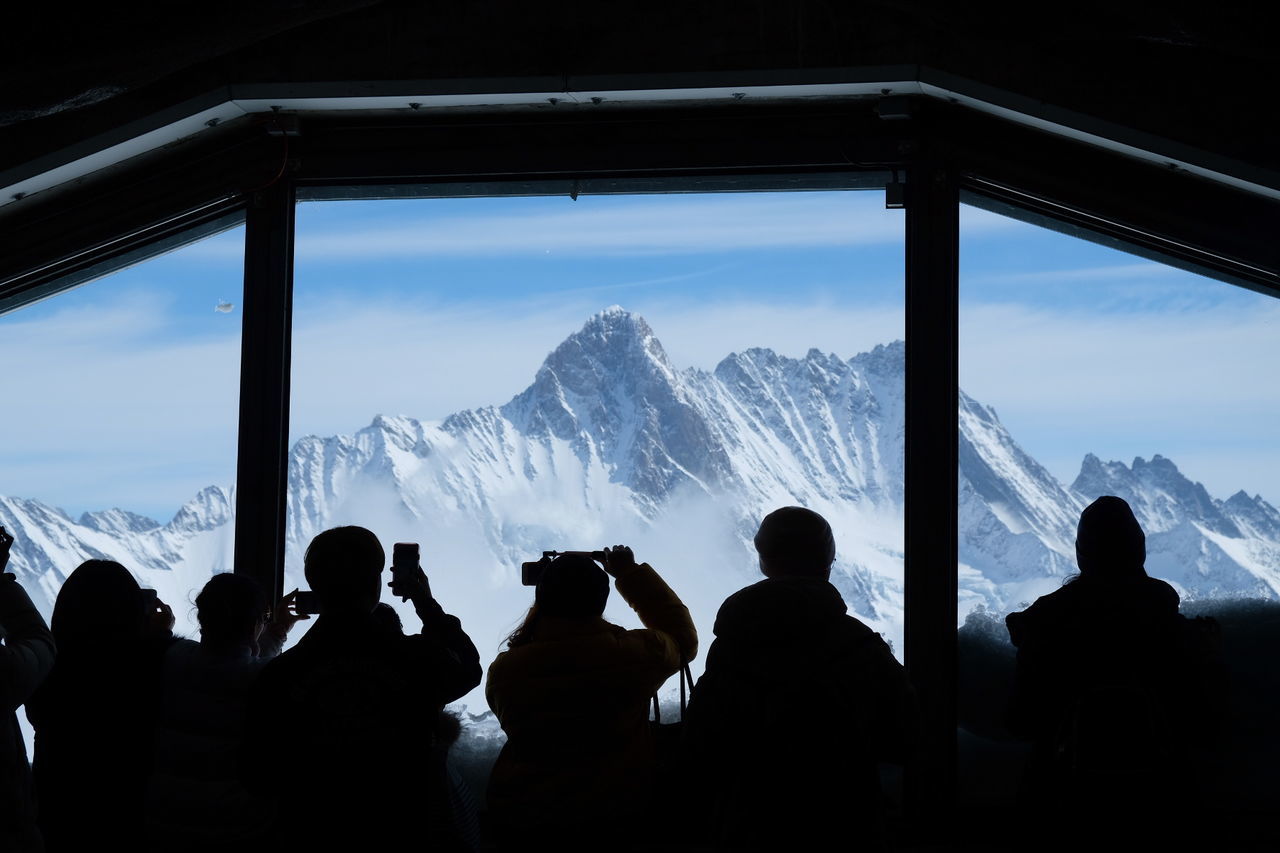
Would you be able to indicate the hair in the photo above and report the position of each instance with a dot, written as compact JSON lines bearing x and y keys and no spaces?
{"x":387,"y":619}
{"x":571,"y":587}
{"x":795,"y":541}
{"x":229,"y":607}
{"x":1110,"y":543}
{"x":524,"y":631}
{"x":100,"y":603}
{"x":343,"y":564}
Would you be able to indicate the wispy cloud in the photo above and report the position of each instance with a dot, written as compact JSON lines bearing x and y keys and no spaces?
{"x":1114,"y":272}
{"x":1197,"y":384}
{"x":601,"y":226}
{"x":108,"y":408}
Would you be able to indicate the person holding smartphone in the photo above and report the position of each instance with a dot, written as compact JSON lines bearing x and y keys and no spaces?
{"x":26,"y":657}
{"x":357,"y":704}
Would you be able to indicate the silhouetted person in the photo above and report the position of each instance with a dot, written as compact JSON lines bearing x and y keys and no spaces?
{"x":1112,"y":685}
{"x":798,"y":704}
{"x":195,"y":801}
{"x":456,"y":814}
{"x":94,"y":716}
{"x":572,"y":693}
{"x":353,"y":710}
{"x":26,"y":657}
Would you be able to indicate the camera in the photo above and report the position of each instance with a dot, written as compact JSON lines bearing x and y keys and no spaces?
{"x":307,"y":603}
{"x":531,"y":572}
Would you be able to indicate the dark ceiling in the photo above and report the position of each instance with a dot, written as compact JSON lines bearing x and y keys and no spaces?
{"x":1200,"y":74}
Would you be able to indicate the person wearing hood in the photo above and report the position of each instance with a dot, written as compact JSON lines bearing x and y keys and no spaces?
{"x":787,"y":653}
{"x":1111,"y":681}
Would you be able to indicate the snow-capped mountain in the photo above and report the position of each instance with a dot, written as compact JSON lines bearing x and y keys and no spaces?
{"x":612,"y":443}
{"x":173,"y":558}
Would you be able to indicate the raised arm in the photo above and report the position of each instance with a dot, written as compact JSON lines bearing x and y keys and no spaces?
{"x":447,"y":648}
{"x":657,"y":605}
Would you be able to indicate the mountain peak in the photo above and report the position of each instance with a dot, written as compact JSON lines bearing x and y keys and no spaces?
{"x":613,"y":348}
{"x":614,"y":329}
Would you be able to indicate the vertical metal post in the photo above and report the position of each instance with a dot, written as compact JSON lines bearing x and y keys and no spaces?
{"x":932,"y":434}
{"x":262,"y":466}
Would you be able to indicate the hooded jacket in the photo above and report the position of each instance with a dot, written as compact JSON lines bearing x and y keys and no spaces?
{"x":574,"y":703}
{"x":1111,"y":638}
{"x":798,"y":703}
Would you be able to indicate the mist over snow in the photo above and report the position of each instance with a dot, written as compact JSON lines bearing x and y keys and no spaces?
{"x":612,"y":443}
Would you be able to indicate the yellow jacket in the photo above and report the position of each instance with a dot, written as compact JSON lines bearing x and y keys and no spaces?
{"x":574,"y":702}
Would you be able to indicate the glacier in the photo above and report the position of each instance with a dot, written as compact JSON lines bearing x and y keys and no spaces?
{"x":612,"y":443}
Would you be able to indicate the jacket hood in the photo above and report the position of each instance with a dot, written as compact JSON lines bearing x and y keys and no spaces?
{"x":782,"y":606}
{"x":1109,"y":540}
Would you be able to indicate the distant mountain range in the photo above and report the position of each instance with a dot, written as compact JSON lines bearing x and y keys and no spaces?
{"x":611,"y":443}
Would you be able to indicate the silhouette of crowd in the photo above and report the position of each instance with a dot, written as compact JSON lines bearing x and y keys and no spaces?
{"x":148,"y":741}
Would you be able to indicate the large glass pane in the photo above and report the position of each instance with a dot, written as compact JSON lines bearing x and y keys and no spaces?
{"x":497,"y":377}
{"x":1086,"y":372}
{"x":119,"y":436}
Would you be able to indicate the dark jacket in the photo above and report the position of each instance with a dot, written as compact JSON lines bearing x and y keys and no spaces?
{"x":798,"y":703}
{"x":195,"y":800}
{"x":1117,"y":692}
{"x":94,"y":719}
{"x":340,"y":730}
{"x":1087,"y":635}
{"x":574,"y":703}
{"x":26,"y":657}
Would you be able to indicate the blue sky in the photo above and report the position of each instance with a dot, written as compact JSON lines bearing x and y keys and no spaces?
{"x":127,"y":392}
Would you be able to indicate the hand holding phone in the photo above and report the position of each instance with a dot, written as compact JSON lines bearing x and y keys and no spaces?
{"x":407,"y":578}
{"x":290,"y":609}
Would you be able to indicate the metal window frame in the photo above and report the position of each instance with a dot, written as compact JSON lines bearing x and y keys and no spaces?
{"x":946,"y":153}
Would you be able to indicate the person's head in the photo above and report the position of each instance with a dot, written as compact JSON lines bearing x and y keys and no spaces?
{"x":1109,"y":541}
{"x":344,"y":567}
{"x":388,"y":620}
{"x":100,"y":603}
{"x":230,"y":610}
{"x":795,"y":542}
{"x":573,"y":586}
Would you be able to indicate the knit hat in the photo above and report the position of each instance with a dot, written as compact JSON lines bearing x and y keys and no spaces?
{"x":796,"y":541}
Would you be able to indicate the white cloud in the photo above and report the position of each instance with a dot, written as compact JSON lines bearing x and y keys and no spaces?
{"x":106,"y":409}
{"x":1112,"y":272}
{"x":1193,"y":385}
{"x":596,"y":225}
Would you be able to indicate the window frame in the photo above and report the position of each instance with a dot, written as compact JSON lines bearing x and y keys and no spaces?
{"x":942,"y":152}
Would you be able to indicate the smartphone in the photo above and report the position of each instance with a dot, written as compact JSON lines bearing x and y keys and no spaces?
{"x":307,"y":602}
{"x":405,"y":559}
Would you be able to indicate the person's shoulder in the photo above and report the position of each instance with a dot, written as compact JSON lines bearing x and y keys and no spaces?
{"x":1161,"y":593}
{"x":182,"y":646}
{"x":854,"y":628}
{"x":283,"y":666}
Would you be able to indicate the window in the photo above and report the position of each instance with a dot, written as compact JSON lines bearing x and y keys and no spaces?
{"x":497,"y":377}
{"x":1086,"y":371}
{"x":119,"y":440}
